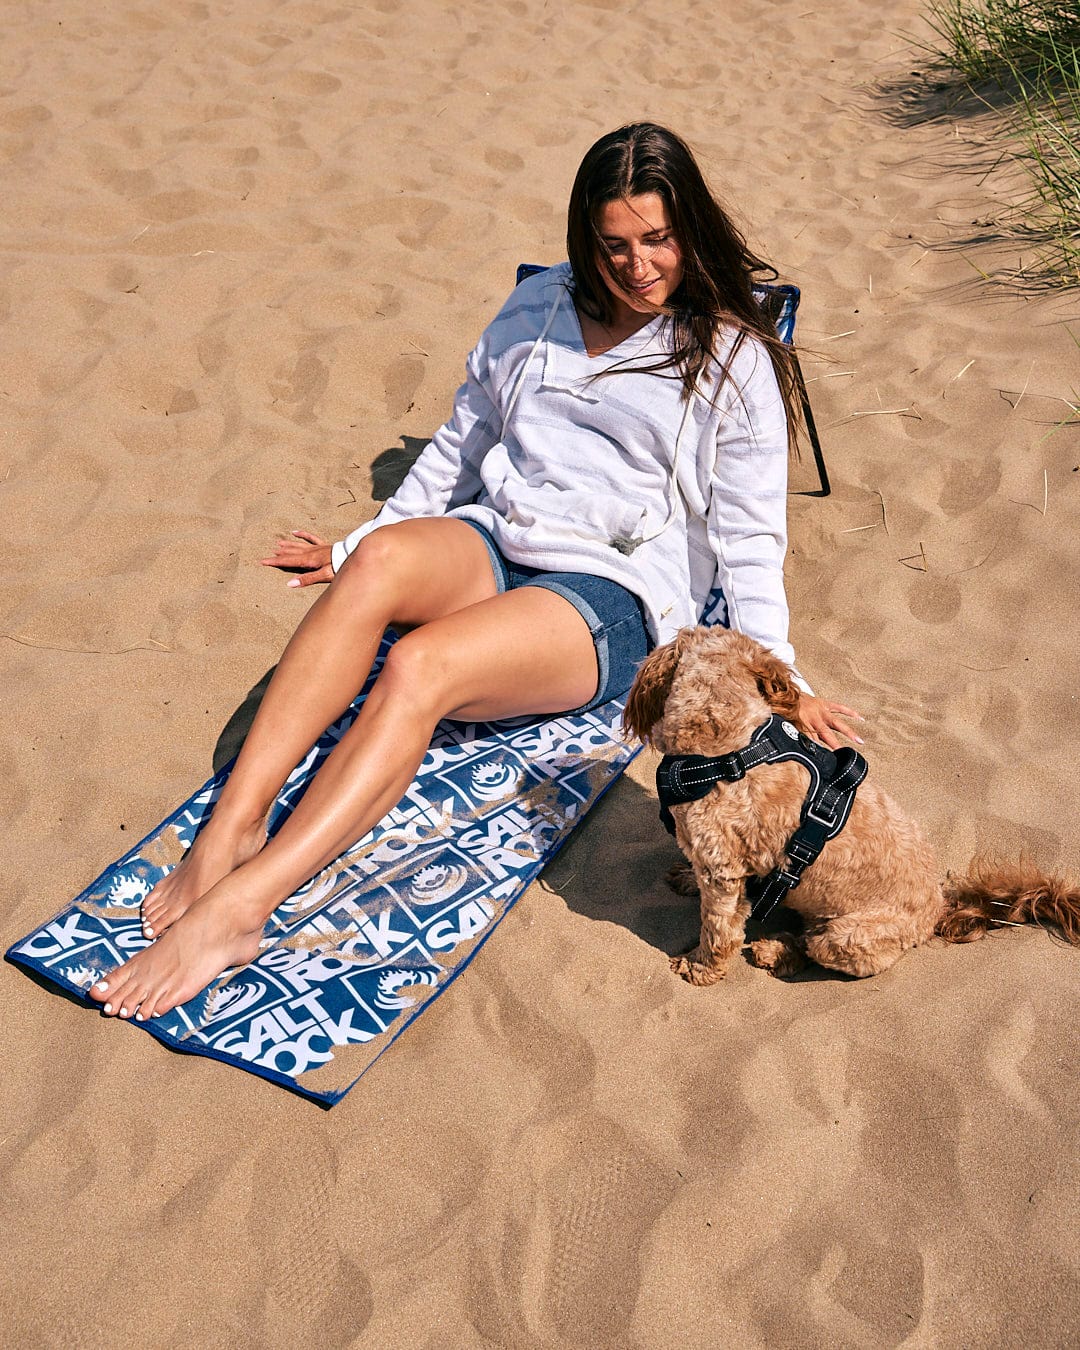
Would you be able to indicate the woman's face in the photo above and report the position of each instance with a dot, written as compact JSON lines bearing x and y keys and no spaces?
{"x":637,"y":236}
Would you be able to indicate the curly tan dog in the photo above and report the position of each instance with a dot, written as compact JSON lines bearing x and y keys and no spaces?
{"x":874,"y":890}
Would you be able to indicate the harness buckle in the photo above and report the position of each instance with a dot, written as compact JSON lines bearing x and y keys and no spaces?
{"x":814,"y":813}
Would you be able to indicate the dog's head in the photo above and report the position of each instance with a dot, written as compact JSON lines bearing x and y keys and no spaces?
{"x":705,"y":692}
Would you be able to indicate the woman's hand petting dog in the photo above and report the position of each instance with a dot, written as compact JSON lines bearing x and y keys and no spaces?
{"x":824,"y":721}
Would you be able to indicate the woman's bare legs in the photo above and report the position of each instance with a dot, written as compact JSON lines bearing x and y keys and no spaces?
{"x":527,"y":651}
{"x":405,"y":574}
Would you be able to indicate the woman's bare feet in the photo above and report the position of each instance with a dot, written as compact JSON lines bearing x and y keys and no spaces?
{"x":220,"y":930}
{"x":216,"y":852}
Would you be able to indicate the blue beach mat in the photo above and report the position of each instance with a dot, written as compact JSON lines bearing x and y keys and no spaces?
{"x":350,"y":960}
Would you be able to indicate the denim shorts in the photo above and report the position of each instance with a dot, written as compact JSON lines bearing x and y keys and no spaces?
{"x":614,"y":615}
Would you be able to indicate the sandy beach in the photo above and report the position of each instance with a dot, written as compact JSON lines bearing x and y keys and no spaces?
{"x":246,"y":248}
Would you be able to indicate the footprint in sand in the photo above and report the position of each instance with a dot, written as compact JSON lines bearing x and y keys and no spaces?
{"x":182,"y":401}
{"x":873,"y":1290}
{"x":25,"y":118}
{"x":311,"y":83}
{"x":212,"y":344}
{"x":506,"y":161}
{"x":308,"y":1280}
{"x":934,"y":599}
{"x":600,"y":1184}
{"x":123,"y":277}
{"x":62,"y":376}
{"x":1005,"y":838}
{"x":968,"y":483}
{"x":131,"y":184}
{"x":999,"y":711}
{"x":401,"y":379}
{"x":296,"y":390}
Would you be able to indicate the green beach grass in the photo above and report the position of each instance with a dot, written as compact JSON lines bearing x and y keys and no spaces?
{"x":1022,"y":58}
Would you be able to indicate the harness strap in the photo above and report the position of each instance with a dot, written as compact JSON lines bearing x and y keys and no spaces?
{"x":688,"y":778}
{"x":824,"y":816}
{"x":834,"y":779}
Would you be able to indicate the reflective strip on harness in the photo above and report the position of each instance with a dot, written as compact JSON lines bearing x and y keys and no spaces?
{"x":834,"y":780}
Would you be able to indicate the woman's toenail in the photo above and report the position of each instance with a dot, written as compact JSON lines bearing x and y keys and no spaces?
{"x":138,"y":1017}
{"x":102,"y":985}
{"x":123,"y":1012}
{"x":108,"y":1007}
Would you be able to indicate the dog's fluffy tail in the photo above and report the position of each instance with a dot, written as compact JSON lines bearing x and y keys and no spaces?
{"x":995,"y":893}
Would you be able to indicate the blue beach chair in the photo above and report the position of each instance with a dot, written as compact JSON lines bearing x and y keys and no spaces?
{"x":780,"y":304}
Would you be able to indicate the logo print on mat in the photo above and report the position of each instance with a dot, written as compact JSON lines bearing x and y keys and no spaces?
{"x":436,"y":883}
{"x":83,"y":976}
{"x":493,"y":780}
{"x":234,"y":999}
{"x":393,"y":980}
{"x":128,"y":891}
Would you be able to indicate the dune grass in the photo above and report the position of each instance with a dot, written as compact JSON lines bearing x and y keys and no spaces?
{"x":1023,"y":58}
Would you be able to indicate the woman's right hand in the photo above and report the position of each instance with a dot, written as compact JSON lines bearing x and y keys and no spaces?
{"x":302,"y":552}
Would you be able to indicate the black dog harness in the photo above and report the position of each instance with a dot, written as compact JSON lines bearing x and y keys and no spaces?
{"x":834,"y":779}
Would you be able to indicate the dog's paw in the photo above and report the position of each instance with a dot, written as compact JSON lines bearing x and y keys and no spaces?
{"x":681,"y":879}
{"x":783,"y":955}
{"x":696,"y":972}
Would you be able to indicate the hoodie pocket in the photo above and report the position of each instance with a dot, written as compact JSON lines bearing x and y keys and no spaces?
{"x":597,"y":517}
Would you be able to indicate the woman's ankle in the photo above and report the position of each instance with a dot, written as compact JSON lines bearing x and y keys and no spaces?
{"x":235,"y":827}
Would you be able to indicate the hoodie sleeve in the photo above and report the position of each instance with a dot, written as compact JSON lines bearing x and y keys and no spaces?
{"x":747,"y":517}
{"x":447,"y":473}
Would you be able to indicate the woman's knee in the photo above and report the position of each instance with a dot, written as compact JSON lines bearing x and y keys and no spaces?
{"x":416,"y":570}
{"x":417,"y":669}
{"x":374,"y":568}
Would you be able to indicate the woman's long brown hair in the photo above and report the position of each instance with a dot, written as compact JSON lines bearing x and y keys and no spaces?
{"x":719,"y":270}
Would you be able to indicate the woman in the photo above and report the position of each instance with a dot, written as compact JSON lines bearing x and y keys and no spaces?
{"x":621,"y":439}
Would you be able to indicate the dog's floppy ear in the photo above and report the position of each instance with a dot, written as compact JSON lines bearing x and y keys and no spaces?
{"x":651,"y":687}
{"x":777,"y":687}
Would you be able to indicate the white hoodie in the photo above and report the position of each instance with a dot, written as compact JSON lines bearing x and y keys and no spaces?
{"x":620,"y":476}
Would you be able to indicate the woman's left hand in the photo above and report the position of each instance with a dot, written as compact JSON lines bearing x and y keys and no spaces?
{"x":823,"y":720}
{"x":305,"y":553}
